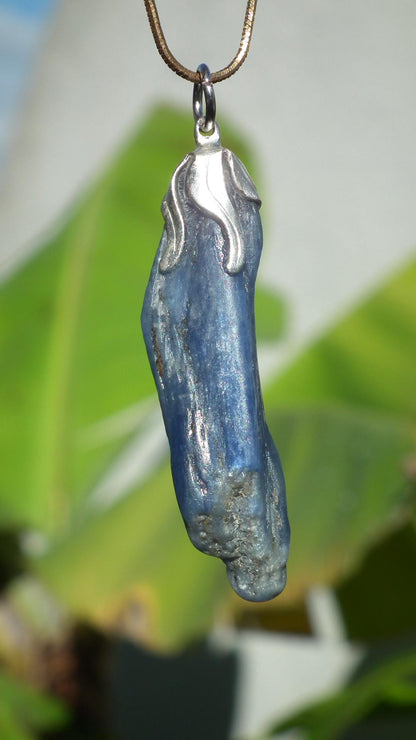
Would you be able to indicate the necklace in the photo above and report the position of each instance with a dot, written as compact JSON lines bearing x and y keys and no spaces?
{"x":199,"y":330}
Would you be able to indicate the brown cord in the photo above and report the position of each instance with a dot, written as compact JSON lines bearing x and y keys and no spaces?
{"x":188,"y":74}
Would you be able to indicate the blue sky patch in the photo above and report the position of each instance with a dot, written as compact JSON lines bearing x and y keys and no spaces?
{"x":22,"y":24}
{"x":28,"y":8}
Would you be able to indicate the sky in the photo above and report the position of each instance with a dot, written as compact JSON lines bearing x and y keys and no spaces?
{"x":22,"y":26}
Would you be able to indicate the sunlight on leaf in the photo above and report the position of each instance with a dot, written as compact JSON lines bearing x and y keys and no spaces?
{"x":366,"y":360}
{"x":79,"y":394}
{"x":343,"y":417}
{"x":72,"y":354}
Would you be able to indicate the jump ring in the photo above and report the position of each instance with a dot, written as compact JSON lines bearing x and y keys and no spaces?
{"x":205,"y":89}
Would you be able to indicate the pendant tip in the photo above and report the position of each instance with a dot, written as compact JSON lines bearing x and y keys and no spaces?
{"x":255,"y":585}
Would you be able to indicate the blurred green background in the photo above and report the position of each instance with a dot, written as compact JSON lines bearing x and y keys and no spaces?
{"x":77,"y":391}
{"x":101,"y":591}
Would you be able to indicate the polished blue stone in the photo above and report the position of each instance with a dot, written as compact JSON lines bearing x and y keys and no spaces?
{"x":199,"y":329}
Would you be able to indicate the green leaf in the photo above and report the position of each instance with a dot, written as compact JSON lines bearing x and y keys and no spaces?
{"x":77,"y":389}
{"x":9,"y":725}
{"x":72,"y":355}
{"x":23,"y":709}
{"x":76,"y":392}
{"x":345,"y":485}
{"x":401,"y":693}
{"x":343,"y":417}
{"x":270,"y":315}
{"x":377,"y":599}
{"x":366,"y":361}
{"x":141,"y":540}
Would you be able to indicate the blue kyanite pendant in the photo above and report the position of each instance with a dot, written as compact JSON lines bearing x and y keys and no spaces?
{"x":198,"y":325}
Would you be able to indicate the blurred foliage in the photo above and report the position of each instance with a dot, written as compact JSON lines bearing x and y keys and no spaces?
{"x":77,"y":400}
{"x":270,"y":315}
{"x":343,"y":416}
{"x":387,"y":684}
{"x":377,"y":599}
{"x":24,"y":711}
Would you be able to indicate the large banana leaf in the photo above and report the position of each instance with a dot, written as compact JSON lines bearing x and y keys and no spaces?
{"x":76,"y":388}
{"x":346,"y":485}
{"x":76,"y":411}
{"x":72,"y":355}
{"x":344,"y":417}
{"x":367,"y":361}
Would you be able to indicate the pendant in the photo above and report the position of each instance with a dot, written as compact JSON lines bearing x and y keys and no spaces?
{"x":199,"y":329}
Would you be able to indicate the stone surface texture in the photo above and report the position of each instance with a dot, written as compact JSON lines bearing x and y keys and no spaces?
{"x":198,"y":324}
